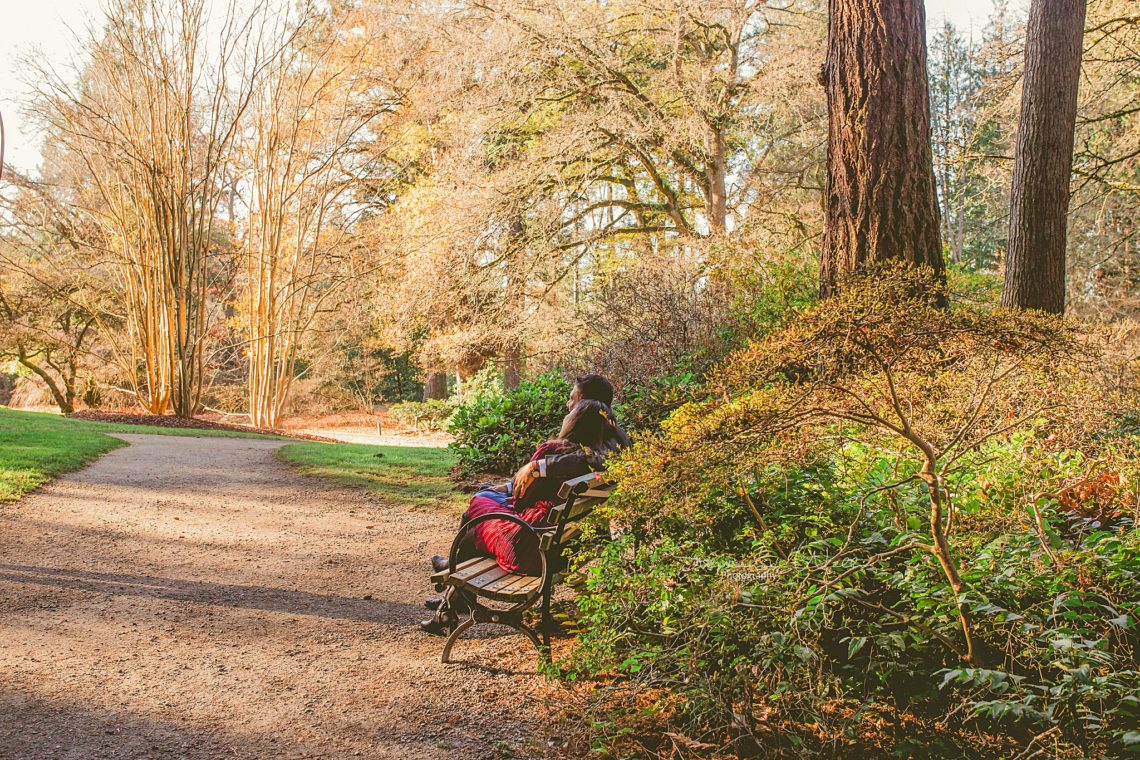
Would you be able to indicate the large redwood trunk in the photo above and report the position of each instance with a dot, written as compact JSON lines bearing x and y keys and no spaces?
{"x":1035,"y":263}
{"x":880,"y":203}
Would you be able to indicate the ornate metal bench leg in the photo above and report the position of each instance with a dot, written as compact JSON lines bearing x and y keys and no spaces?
{"x":520,"y":625}
{"x":547,"y":621}
{"x":459,"y":629}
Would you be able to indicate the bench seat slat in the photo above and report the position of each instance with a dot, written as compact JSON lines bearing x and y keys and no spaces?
{"x":524,"y":584}
{"x":508,"y":583}
{"x":441,"y":576}
{"x":514,"y":586}
{"x":474,"y":566}
{"x":469,"y":562}
{"x":480,"y":579}
{"x":501,"y":584}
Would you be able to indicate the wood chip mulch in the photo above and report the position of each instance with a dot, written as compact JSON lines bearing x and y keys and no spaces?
{"x":193,"y":423}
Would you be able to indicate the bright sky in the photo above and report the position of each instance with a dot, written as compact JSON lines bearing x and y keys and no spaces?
{"x":45,"y":29}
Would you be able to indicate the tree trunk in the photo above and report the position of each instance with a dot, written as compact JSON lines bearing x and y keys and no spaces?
{"x":512,"y":365}
{"x":944,"y":186}
{"x":960,"y":232}
{"x":64,"y":397}
{"x":717,"y":189}
{"x":516,"y":292}
{"x":880,"y":202}
{"x":435,"y":388}
{"x":1035,"y":261}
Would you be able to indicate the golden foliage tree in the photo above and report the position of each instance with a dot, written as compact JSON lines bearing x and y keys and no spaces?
{"x":299,"y":162}
{"x":154,"y":118}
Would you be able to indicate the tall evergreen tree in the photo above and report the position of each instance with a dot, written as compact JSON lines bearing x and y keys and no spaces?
{"x":1035,"y":265}
{"x":880,"y":203}
{"x":952,"y":90}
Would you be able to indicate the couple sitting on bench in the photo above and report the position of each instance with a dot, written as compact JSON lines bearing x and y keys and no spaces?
{"x":589,"y":434}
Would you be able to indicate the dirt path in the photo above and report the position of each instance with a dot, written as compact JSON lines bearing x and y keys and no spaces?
{"x":192,"y":597}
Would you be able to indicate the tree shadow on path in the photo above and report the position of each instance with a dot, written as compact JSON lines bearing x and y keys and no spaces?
{"x":285,"y":601}
{"x":34,"y":726}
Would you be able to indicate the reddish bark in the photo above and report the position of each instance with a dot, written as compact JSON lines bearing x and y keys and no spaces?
{"x":880,"y":203}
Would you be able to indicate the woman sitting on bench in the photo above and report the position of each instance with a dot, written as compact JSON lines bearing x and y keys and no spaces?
{"x":589,"y":435}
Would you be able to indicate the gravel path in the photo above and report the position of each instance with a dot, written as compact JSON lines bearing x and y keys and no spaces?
{"x":193,"y":598}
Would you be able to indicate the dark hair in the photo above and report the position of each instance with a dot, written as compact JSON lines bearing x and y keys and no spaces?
{"x":595,"y":388}
{"x":591,"y":425}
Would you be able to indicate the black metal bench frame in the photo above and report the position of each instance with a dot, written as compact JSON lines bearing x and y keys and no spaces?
{"x":481,"y":578}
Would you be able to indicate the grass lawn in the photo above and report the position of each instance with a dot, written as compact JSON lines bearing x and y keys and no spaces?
{"x":414,"y":476}
{"x":35,"y":447}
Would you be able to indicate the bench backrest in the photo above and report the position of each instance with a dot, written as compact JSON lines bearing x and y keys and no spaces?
{"x":579,"y":496}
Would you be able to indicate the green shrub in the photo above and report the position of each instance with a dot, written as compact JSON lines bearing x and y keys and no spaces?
{"x":486,"y":383}
{"x":229,"y":398}
{"x":644,"y":406}
{"x":765,"y":294}
{"x":498,"y":433}
{"x":92,"y":394}
{"x":763,"y":299}
{"x":432,"y":415}
{"x":886,"y":528}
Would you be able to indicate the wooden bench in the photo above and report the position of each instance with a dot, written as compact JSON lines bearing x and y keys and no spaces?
{"x":480,"y":580}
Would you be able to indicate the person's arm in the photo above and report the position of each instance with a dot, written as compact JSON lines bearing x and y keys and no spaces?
{"x":556,"y":467}
{"x":530,"y":472}
{"x":524,"y":479}
{"x":563,"y":467}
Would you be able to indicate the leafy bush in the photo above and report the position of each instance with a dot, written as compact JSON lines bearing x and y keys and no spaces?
{"x":498,"y":433}
{"x":764,"y":292}
{"x":762,"y":298}
{"x":487,"y":383}
{"x":229,"y":398}
{"x":648,"y":316}
{"x":885,"y":528}
{"x":92,"y":394}
{"x":433,"y":415}
{"x":645,"y":405}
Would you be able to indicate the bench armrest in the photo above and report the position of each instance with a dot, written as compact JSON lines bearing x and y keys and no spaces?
{"x":580,"y":484}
